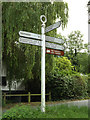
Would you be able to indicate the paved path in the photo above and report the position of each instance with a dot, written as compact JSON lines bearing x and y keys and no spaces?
{"x":75,"y":103}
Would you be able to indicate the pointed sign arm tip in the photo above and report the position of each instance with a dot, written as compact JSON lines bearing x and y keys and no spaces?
{"x":53,"y":26}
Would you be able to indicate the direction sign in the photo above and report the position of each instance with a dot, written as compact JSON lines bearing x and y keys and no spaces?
{"x":53,"y":26}
{"x":54,"y":46}
{"x":53,"y":39}
{"x":54,"y":52}
{"x":29,"y":35}
{"x":30,"y":41}
{"x":38,"y":36}
{"x":39,"y":43}
{"x":44,"y":42}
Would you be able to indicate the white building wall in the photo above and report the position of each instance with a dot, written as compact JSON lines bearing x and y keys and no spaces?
{"x":15,"y":86}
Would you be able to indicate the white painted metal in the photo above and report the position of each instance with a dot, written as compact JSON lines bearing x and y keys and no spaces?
{"x":38,"y":36}
{"x":54,"y":46}
{"x":45,"y":19}
{"x":53,"y":26}
{"x":30,"y":41}
{"x":53,"y":39}
{"x":39,"y":43}
{"x":43,"y":66}
{"x":29,"y":35}
{"x":29,"y":38}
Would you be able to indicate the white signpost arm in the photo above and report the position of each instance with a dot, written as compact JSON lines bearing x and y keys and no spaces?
{"x":43,"y":64}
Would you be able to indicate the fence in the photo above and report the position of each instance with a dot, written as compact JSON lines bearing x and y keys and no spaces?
{"x":29,"y":96}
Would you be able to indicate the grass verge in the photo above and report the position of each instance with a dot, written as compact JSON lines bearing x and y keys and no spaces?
{"x":60,"y":111}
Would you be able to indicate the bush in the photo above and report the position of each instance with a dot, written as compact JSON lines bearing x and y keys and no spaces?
{"x":65,"y":83}
{"x":80,"y":87}
{"x":63,"y":66}
{"x":67,"y":87}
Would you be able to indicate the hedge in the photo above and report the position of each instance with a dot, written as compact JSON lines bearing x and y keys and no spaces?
{"x":68,"y":87}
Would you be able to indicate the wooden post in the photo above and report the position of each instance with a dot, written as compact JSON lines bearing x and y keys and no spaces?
{"x":49,"y":96}
{"x":29,"y":97}
{"x":4,"y":98}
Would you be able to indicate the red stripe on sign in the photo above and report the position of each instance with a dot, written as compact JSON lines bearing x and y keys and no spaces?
{"x":54,"y":52}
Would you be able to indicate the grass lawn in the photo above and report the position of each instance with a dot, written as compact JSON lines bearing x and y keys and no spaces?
{"x":60,"y":111}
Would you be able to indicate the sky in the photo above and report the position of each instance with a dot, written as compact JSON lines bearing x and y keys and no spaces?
{"x":78,"y":18}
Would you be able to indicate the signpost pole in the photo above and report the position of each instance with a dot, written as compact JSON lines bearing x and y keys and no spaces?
{"x":27,"y":38}
{"x":43,"y":64}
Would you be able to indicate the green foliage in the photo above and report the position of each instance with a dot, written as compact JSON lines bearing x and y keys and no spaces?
{"x":89,"y":63}
{"x":75,"y":41}
{"x":62,"y":66}
{"x":68,"y":83}
{"x":82,"y":59}
{"x":74,"y":45}
{"x":60,"y":111}
{"x":67,"y":86}
{"x":63,"y":63}
{"x":81,"y":62}
{"x":23,"y":61}
{"x":86,"y":46}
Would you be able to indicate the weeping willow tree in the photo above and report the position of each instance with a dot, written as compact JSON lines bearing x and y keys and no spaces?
{"x":23,"y":61}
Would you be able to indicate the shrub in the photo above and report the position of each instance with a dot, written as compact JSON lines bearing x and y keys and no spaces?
{"x":63,"y":66}
{"x":64,"y":82}
{"x":80,"y":87}
{"x":67,"y":87}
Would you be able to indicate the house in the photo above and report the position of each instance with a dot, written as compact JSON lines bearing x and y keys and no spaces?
{"x":16,"y":86}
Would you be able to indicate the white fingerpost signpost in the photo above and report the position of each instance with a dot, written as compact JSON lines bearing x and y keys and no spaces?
{"x":44,"y":42}
{"x":43,"y":64}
